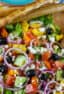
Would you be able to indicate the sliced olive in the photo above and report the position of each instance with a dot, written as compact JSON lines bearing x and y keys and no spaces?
{"x":3,"y":41}
{"x":49,"y":30}
{"x":30,"y":73}
{"x":44,"y":76}
{"x":54,"y":57}
{"x":27,"y":51}
{"x":3,"y":68}
{"x":42,"y":87}
{"x":9,"y":59}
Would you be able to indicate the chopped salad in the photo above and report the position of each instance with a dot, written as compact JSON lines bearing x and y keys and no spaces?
{"x":31,"y":57}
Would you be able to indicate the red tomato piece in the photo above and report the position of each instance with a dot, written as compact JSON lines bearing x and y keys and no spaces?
{"x":34,"y":82}
{"x":10,"y":80}
{"x":30,"y":35}
{"x":31,"y":56}
{"x":4,"y":33}
{"x":46,"y":55}
{"x":47,"y":64}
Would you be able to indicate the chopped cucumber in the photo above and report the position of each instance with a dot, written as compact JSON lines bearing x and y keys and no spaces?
{"x":59,"y":75}
{"x":57,"y":49}
{"x":1,"y":50}
{"x":20,"y":81}
{"x":1,"y":90}
{"x":20,"y":92}
{"x":20,"y":61}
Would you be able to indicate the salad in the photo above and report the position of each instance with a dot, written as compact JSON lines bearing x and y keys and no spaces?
{"x":32,"y":57}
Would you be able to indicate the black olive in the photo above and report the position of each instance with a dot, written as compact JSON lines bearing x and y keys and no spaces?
{"x":54,"y":57}
{"x":3,"y":68}
{"x":42,"y":87}
{"x":30,"y":73}
{"x":49,"y":31}
{"x":3,"y":41}
{"x":27,"y":51}
{"x":44,"y":76}
{"x":51,"y":93}
{"x":9,"y":59}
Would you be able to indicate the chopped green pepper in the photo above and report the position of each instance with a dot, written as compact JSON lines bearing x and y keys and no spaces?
{"x":8,"y":92}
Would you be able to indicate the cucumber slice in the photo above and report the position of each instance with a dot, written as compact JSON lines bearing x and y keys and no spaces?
{"x":20,"y":81}
{"x":1,"y":50}
{"x":1,"y":90}
{"x":20,"y":61}
{"x":59,"y":75}
{"x":20,"y":92}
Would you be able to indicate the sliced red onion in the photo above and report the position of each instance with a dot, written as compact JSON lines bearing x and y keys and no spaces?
{"x":51,"y":46}
{"x":50,"y":91}
{"x":47,"y":44}
{"x":19,"y":40}
{"x":51,"y":82}
{"x":45,"y":71}
{"x":51,"y":49}
{"x":11,"y":66}
{"x":31,"y":43}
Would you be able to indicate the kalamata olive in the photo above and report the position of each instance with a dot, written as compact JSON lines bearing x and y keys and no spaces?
{"x":30,"y":73}
{"x":3,"y":68}
{"x":43,"y":85}
{"x":49,"y":30}
{"x":44,"y":76}
{"x":55,"y":57}
{"x":3,"y":41}
{"x":9,"y":59}
{"x":27,"y":51}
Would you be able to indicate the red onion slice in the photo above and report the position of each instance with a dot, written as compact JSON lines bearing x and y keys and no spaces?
{"x":11,"y":66}
{"x":19,"y":40}
{"x":45,"y":71}
{"x":46,"y":44}
{"x":45,"y":90}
